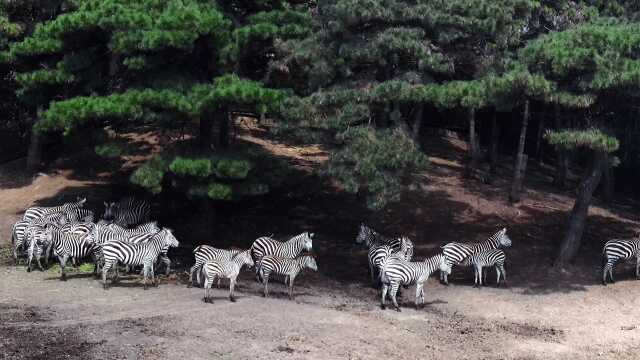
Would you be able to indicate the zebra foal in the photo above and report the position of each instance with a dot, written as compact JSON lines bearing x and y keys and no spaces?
{"x":620,"y":249}
{"x":66,"y":245}
{"x":289,"y":268}
{"x":224,"y":268}
{"x":396,"y":271}
{"x":488,"y":258}
{"x":265,"y":245}
{"x":204,"y":253}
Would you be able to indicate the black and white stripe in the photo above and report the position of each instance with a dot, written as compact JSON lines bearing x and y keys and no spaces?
{"x":128,"y":211}
{"x":620,"y":249}
{"x":38,"y":212}
{"x":18,"y":236}
{"x":455,"y":252}
{"x":380,"y":247}
{"x":225,"y":268}
{"x":80,"y":215}
{"x":488,"y":258}
{"x":396,"y":271}
{"x":66,"y":245}
{"x":144,"y":254}
{"x":287,"y":267}
{"x":204,"y":253}
{"x":293,"y":247}
{"x":39,"y":244}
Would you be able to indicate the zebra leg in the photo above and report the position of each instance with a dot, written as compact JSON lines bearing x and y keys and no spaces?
{"x":29,"y":257}
{"x":105,"y":270}
{"x":145,"y":269}
{"x":291,"y":279}
{"x":207,"y":286}
{"x":385,"y":287}
{"x":48,"y":254}
{"x":417,"y":301}
{"x":191,"y":271}
{"x":638,"y":267}
{"x":394,"y":291}
{"x":165,"y":259}
{"x":372,"y":274}
{"x":38,"y":254}
{"x":63,"y":262}
{"x":232,"y":285}
{"x":480,"y":276}
{"x":265,"y":280}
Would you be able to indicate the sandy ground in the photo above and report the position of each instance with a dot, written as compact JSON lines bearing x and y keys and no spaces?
{"x":542,"y":314}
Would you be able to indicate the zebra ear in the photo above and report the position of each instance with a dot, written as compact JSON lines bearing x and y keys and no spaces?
{"x":504,"y":230}
{"x":311,"y":235}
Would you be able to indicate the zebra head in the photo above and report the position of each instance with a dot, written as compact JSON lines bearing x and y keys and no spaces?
{"x":169,"y":239}
{"x":244,"y":258}
{"x":307,"y":241}
{"x":503,"y":239}
{"x":364,"y":235}
{"x":110,"y":211}
{"x":79,"y":204}
{"x":443,"y":265}
{"x":406,"y":248}
{"x":308,"y":260}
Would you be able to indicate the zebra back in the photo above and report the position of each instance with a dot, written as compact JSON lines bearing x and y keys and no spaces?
{"x":40,"y":211}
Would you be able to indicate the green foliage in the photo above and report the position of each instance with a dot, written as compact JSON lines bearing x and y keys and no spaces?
{"x":150,"y":174}
{"x":232,"y":169}
{"x":109,"y":150}
{"x":201,"y":168}
{"x":593,"y":139}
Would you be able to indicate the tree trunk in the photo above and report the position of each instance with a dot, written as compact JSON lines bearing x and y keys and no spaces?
{"x":539,"y":135}
{"x":562,"y":158}
{"x":225,"y":123}
{"x":495,"y":139}
{"x":571,"y":242}
{"x":521,"y":158}
{"x":34,"y":152}
{"x":417,"y":122}
{"x":474,"y":156}
{"x":607,"y":180}
{"x":206,"y":124}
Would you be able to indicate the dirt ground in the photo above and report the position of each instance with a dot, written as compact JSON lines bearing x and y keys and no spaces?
{"x":542,"y":314}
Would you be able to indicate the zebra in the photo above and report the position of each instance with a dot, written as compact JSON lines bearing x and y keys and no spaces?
{"x":18,"y":232}
{"x":379,"y":247}
{"x":127,"y":211}
{"x":265,"y":245}
{"x":204,"y":253}
{"x":38,"y":212}
{"x":38,"y":242}
{"x":80,"y":215}
{"x":79,"y":228}
{"x":146,"y":237}
{"x":455,"y":252}
{"x":396,"y":271}
{"x":487,"y":258}
{"x":227,"y":268}
{"x":136,"y":254}
{"x":619,"y":249}
{"x":67,"y":245}
{"x":287,"y":267}
{"x":53,"y":218}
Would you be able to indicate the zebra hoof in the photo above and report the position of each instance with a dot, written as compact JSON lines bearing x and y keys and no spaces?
{"x":383,"y":307}
{"x":604,"y":283}
{"x":232,"y":299}
{"x":398,"y":309}
{"x":28,"y":269}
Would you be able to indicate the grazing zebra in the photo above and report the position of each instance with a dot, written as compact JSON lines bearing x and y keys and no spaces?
{"x":455,"y":252}
{"x":380,"y":247}
{"x":396,"y":271}
{"x":127,"y":211}
{"x":67,"y":245}
{"x":619,"y":249}
{"x":18,"y":236}
{"x":146,"y":237}
{"x":204,"y":253}
{"x":487,"y":258}
{"x":289,"y":268}
{"x":38,"y":241}
{"x":263,"y":246}
{"x":38,"y":212}
{"x":228,"y":269}
{"x":136,"y":254}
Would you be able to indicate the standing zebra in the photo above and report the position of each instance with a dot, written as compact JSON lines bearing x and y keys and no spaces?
{"x":228,"y":269}
{"x":380,"y":247}
{"x":38,"y":241}
{"x":289,"y":268}
{"x":127,"y":211}
{"x":263,"y":246}
{"x":487,"y":258}
{"x":619,"y":249}
{"x":136,"y":254}
{"x":67,"y":245}
{"x":38,"y":212}
{"x":396,"y":271}
{"x":18,"y":236}
{"x":455,"y":252}
{"x":204,"y":253}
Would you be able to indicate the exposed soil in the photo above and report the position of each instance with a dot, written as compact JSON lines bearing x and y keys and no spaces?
{"x":542,"y":314}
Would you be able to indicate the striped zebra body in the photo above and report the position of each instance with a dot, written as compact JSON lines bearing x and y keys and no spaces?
{"x":66,"y":245}
{"x":57,"y":219}
{"x":264,"y":246}
{"x":396,"y":271}
{"x":225,"y":268}
{"x":38,"y":212}
{"x":380,"y":247}
{"x":204,"y":253}
{"x":129,"y":253}
{"x":455,"y":252}
{"x":78,"y":228}
{"x":39,"y":244}
{"x":619,"y":249}
{"x":128,"y":211}
{"x":18,"y":236}
{"x":488,"y":258}
{"x":80,"y":215}
{"x":287,"y":267}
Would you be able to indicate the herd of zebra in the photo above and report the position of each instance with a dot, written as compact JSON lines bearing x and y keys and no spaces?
{"x":125,"y":235}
